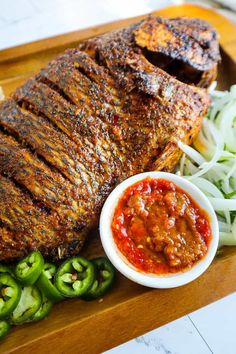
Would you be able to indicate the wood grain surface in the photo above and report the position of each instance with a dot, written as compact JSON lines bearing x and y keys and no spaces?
{"x":129,"y":310}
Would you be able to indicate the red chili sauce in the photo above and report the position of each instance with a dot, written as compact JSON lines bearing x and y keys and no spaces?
{"x":159,"y":228}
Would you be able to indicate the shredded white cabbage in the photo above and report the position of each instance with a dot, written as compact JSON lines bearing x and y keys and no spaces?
{"x":211,"y":162}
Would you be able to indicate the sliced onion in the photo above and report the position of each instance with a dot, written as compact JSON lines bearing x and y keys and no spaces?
{"x":212,"y":165}
{"x":225,"y":119}
{"x":224,"y":227}
{"x":203,"y":146}
{"x":223,"y":204}
{"x":232,"y":170}
{"x":195,"y":156}
{"x":182,"y":163}
{"x":208,"y":187}
{"x":206,"y":166}
{"x":227,"y":239}
{"x":190,"y":168}
{"x":234,"y":227}
{"x":212,"y":87}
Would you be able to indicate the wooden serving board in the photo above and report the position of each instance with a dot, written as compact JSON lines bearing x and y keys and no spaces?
{"x":129,"y":310}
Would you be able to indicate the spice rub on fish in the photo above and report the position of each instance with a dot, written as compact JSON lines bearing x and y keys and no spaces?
{"x":97,"y":114}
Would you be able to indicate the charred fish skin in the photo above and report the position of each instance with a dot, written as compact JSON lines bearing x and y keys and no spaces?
{"x":112,"y":107}
{"x":29,"y":226}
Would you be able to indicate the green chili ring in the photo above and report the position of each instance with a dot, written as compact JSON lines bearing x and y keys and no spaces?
{"x":43,"y":311}
{"x":45,"y":283}
{"x":29,"y":304}
{"x":29,"y":268}
{"x":105,"y":275}
{"x":10,"y":293}
{"x":4,"y":329}
{"x":75,"y":277}
{"x":6,"y":269}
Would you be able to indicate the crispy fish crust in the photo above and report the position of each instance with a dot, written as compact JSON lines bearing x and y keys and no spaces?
{"x":97,"y":114}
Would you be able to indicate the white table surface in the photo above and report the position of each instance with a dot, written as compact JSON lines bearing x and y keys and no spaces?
{"x":209,"y":330}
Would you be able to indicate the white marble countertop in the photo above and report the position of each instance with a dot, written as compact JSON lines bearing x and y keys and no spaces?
{"x":24,"y":21}
{"x":208,"y":330}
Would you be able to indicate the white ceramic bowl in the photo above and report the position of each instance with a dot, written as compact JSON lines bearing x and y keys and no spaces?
{"x":120,"y":261}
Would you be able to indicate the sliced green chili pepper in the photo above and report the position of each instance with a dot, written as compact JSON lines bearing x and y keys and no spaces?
{"x":75,"y":277}
{"x":43,"y":311}
{"x":46,"y":283}
{"x":29,"y":268}
{"x":10,"y":293}
{"x":6,"y":269}
{"x":4,"y":329}
{"x":29,"y":304}
{"x":105,"y":275}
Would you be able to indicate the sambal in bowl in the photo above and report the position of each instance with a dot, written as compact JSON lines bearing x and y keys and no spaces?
{"x":159,"y":230}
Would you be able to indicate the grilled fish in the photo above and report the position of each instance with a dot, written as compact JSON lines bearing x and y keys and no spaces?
{"x":112,"y":107}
